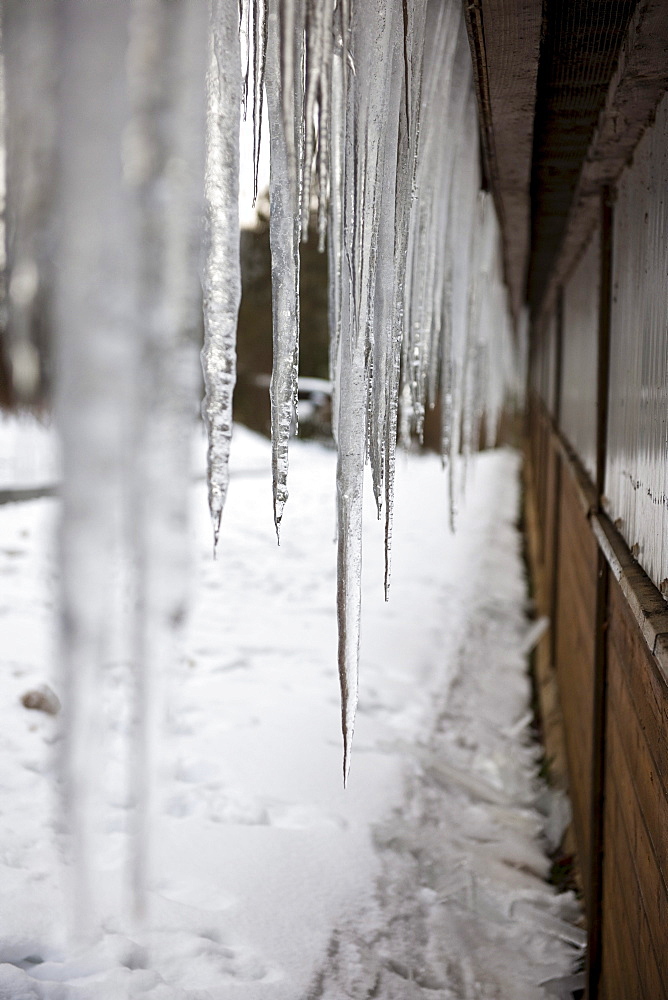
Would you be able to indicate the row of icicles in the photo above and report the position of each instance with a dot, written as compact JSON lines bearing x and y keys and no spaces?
{"x":372,"y":127}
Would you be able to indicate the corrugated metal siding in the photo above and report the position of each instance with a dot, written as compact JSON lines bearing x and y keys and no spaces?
{"x":544,"y":363}
{"x":637,"y":450}
{"x":580,"y":356}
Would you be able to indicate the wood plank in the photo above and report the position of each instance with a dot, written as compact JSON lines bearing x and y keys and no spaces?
{"x":624,"y":906}
{"x":551,"y":524}
{"x":632,"y":824}
{"x":574,"y":659}
{"x":618,"y":957}
{"x":636,"y":788}
{"x":619,"y":977}
{"x":549,"y":709}
{"x":646,"y":687}
{"x":629,"y":741}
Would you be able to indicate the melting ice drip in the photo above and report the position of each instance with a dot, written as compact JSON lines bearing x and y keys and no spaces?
{"x":372,"y":126}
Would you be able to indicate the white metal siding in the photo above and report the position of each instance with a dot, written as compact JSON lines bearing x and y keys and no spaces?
{"x":637,"y":457}
{"x":580,"y":355}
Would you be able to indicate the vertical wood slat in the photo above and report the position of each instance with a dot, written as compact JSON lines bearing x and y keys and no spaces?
{"x":627,"y":941}
{"x":546,"y":692}
{"x":635,"y":889}
{"x":599,"y":720}
{"x":574,"y":657}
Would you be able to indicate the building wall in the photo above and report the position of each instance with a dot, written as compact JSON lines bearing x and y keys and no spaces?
{"x":600,"y":554}
{"x":580,"y":355}
{"x":636,"y":474}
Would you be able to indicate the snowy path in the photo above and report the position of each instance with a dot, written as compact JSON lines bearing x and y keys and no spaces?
{"x":423,"y":878}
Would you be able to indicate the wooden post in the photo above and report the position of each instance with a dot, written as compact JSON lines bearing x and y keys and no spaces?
{"x":556,"y":500}
{"x":596,"y":861}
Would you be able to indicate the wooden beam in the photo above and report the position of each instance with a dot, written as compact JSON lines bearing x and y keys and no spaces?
{"x":599,"y":722}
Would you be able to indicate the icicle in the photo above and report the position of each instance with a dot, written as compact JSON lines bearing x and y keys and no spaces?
{"x":168,"y":50}
{"x":431,"y":209}
{"x":94,"y":320}
{"x":335,"y":232}
{"x":28,"y":38}
{"x":402,"y":198}
{"x":222,"y":276}
{"x":247,"y":45}
{"x":259,"y":56}
{"x":324,"y":122}
{"x":316,"y":26}
{"x":373,"y":88}
{"x":365,"y":146}
{"x":351,"y":393}
{"x":284,"y":232}
{"x":290,"y":22}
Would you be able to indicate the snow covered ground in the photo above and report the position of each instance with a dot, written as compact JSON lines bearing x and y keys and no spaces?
{"x":424,"y":878}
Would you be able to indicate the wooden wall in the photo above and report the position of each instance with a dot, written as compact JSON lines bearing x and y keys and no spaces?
{"x":596,"y":281}
{"x":575,"y":613}
{"x":608,"y":656}
{"x":635,"y":813}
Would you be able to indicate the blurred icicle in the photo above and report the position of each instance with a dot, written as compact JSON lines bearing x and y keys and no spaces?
{"x":28,"y":44}
{"x":165,"y":155}
{"x":222,"y":272}
{"x":96,"y":356}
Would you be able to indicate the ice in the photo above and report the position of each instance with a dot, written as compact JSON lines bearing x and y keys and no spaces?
{"x":259,"y":10}
{"x":360,"y":342}
{"x":419,"y":312}
{"x":126,"y":313}
{"x":167,"y":85}
{"x":284,"y":233}
{"x":222,"y":273}
{"x":28,"y":44}
{"x":96,"y":358}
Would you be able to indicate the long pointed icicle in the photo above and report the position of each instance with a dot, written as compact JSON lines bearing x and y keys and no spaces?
{"x":222,"y":274}
{"x":284,"y":231}
{"x":366,"y":112}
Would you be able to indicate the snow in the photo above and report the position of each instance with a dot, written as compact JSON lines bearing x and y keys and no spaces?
{"x":269,"y":880}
